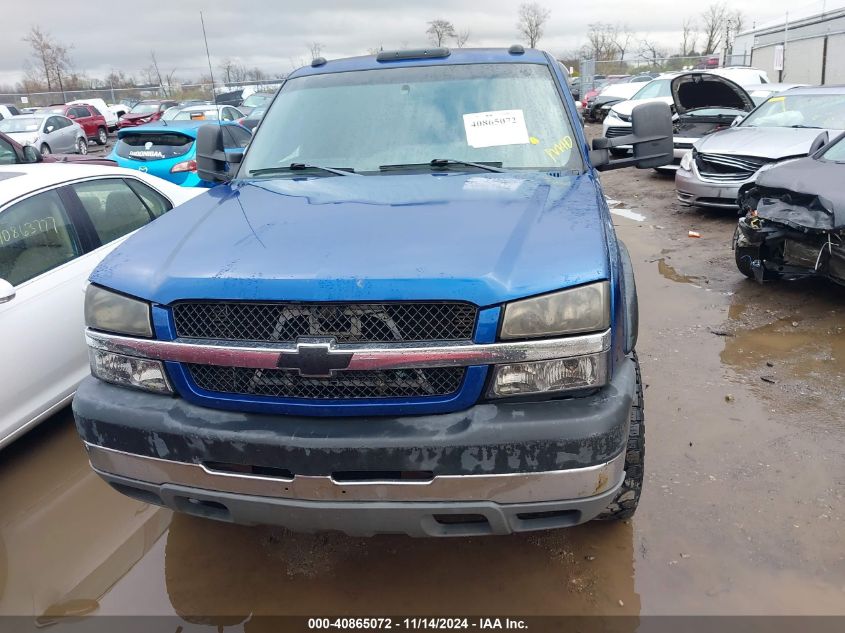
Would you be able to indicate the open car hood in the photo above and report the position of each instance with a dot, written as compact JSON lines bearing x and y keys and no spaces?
{"x":691,"y":91}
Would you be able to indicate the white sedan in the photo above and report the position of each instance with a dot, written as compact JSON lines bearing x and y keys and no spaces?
{"x":57,"y":222}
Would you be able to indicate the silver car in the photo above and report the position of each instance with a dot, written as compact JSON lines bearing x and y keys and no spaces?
{"x":787,"y":125}
{"x":48,"y":133}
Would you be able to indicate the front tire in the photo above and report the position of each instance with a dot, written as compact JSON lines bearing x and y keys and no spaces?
{"x":744,"y":255}
{"x":102,"y":136}
{"x":82,"y":146}
{"x":624,"y":505}
{"x":45,"y":149}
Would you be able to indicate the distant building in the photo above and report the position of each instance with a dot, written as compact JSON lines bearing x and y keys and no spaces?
{"x":811,"y":40}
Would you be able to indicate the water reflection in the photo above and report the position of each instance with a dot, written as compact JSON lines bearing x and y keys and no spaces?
{"x":220,"y":574}
{"x":65,"y":536}
{"x":670,"y":273}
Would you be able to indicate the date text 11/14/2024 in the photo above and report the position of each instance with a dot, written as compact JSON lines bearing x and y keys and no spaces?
{"x":417,"y":623}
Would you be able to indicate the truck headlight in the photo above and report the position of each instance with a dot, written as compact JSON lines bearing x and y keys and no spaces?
{"x":572,"y":311}
{"x":686,"y":161}
{"x":549,"y":376}
{"x":112,"y":312}
{"x":129,"y":371}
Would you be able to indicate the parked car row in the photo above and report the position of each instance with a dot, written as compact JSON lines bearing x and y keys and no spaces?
{"x":775,"y":153}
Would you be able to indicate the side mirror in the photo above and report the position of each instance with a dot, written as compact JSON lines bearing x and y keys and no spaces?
{"x":7,"y":291}
{"x":212,"y":157}
{"x":71,"y":116}
{"x":820,"y":141}
{"x":50,"y":128}
{"x":737,"y":121}
{"x":31,"y":155}
{"x":651,"y":124}
{"x":235,"y":156}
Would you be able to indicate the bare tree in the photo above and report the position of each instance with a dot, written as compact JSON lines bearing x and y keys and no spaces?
{"x":603,"y":41}
{"x":226,"y":68}
{"x":624,"y":38}
{"x":439,"y":31}
{"x":42,"y":52}
{"x":532,"y":18}
{"x":461,"y":38}
{"x":296,"y":62}
{"x":233,"y":71}
{"x":651,"y":51}
{"x":734,"y":21}
{"x":164,"y":82}
{"x":256,"y":74}
{"x":316,"y":49}
{"x":51,"y":58}
{"x":713,"y":24}
{"x":154,"y":66}
{"x":689,"y":37}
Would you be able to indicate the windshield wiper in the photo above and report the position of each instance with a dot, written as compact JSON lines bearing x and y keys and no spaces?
{"x":443,"y":162}
{"x":806,"y":127}
{"x":301,"y":167}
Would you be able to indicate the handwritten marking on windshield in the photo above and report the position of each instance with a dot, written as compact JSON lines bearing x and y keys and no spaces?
{"x":563,"y":145}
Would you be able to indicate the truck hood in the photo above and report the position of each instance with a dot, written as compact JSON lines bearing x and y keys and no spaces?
{"x":765,"y":142}
{"x":483,"y":238}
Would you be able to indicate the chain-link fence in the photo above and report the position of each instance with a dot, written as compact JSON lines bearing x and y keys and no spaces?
{"x":131,"y":95}
{"x":597,"y":73}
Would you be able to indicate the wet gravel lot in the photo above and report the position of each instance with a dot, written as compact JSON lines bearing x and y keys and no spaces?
{"x":742,"y":510}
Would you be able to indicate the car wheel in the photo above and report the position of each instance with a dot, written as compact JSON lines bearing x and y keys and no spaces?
{"x":618,"y":153}
{"x":82,"y":146}
{"x":102,"y":136}
{"x":627,"y":498}
{"x":45,"y":149}
{"x":744,"y":256}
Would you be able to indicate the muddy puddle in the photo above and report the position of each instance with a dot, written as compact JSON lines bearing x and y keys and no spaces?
{"x":743,"y":509}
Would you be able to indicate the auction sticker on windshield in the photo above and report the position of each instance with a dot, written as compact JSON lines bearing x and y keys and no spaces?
{"x":499,"y":127}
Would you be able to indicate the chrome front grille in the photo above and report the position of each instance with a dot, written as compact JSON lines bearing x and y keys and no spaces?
{"x":727,"y":168}
{"x":346,"y":323}
{"x":345,"y":385}
{"x":615,"y":131}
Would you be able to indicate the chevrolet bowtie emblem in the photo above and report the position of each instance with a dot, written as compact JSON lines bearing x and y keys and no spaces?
{"x":314,"y":359}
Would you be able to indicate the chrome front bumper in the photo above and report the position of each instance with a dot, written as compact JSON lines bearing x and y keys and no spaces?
{"x":693,"y":191}
{"x":576,"y":483}
{"x":464,"y":505}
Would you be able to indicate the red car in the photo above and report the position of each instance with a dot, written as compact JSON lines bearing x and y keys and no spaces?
{"x":13,"y":153}
{"x":91,"y":120}
{"x":144,"y":112}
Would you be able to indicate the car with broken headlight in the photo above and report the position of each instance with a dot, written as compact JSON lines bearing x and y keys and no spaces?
{"x":404,"y":309}
{"x":56,"y":223}
{"x":787,"y":125}
{"x":794,"y":223}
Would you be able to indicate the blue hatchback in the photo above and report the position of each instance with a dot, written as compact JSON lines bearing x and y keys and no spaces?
{"x":168,"y":150}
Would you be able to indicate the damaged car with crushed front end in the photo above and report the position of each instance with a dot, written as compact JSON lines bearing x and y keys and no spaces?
{"x":794,"y":224}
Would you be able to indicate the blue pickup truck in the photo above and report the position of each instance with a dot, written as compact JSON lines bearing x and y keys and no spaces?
{"x":403,"y":309}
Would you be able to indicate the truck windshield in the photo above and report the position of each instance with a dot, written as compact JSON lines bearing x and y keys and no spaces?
{"x":506,"y":114}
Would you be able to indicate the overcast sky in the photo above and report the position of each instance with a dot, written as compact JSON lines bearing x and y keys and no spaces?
{"x":275,"y":34}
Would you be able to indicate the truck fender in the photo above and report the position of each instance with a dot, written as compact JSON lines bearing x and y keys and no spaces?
{"x":632,"y":310}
